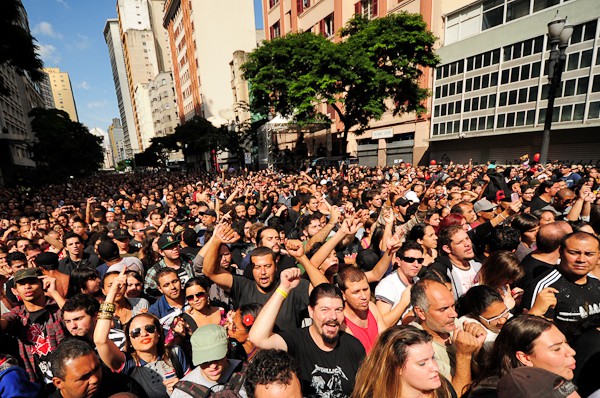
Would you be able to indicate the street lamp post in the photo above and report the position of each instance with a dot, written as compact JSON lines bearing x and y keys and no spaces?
{"x":559,"y":33}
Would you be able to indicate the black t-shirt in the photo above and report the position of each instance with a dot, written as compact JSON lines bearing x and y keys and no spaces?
{"x":537,"y":203}
{"x":245,"y":291}
{"x":533,"y":268}
{"x":587,"y":355}
{"x":325,"y":373}
{"x":574,"y":302}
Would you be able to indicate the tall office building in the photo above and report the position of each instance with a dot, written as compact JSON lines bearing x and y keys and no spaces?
{"x":62,"y":92}
{"x":119,"y":72}
{"x":204,"y":35}
{"x":46,"y":91}
{"x":15,"y":125}
{"x":388,"y":140}
{"x":491,"y":91}
{"x":116,"y":141}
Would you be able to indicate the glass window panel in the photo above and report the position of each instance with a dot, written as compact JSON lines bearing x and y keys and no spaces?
{"x":476,"y":82}
{"x":467,"y":107}
{"x":510,"y":120}
{"x":452,"y":89}
{"x":492,"y":101}
{"x":452,"y":69}
{"x":473,"y":124}
{"x":542,"y":117}
{"x":449,"y":127}
{"x":461,"y":66}
{"x":596,"y":84}
{"x":438,"y":73}
{"x":465,"y":125}
{"x":566,"y":114}
{"x":579,"y":112}
{"x":530,"y":117}
{"x":514,"y":74}
{"x":541,"y":4}
{"x":570,"y":87}
{"x":442,"y":128}
{"x":538,"y":44}
{"x":525,"y":71}
{"x":501,"y":121}
{"x":577,"y":34}
{"x":505,"y":76}
{"x":487,"y":59}
{"x":517,"y":50}
{"x":451,"y":108}
{"x":517,"y":9}
{"x":469,"y":85}
{"x":443,"y":109}
{"x":495,"y":56}
{"x":582,"y":85}
{"x":489,"y":4}
{"x":475,"y":104}
{"x":490,"y":123}
{"x":521,"y":118}
{"x":481,"y":123}
{"x":485,"y":81}
{"x":503,"y":97}
{"x":527,"y":47}
{"x":436,"y":111}
{"x":555,"y":115}
{"x":533,"y":92}
{"x":457,"y":106}
{"x":459,"y":87}
{"x":590,"y":30}
{"x":478,"y":61}
{"x":494,"y":79}
{"x":573,"y":61}
{"x":438,"y":92}
{"x":522,"y":95}
{"x":512,"y":97}
{"x":586,"y":59}
{"x":594,"y":111}
{"x":470,"y":63}
{"x":483,"y":102}
{"x":545,"y":90}
{"x":507,"y":53}
{"x":535,"y":70}
{"x":435,"y":129}
{"x":445,"y":90}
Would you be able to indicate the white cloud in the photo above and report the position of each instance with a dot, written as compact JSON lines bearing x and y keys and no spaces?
{"x":97,"y":104}
{"x":83,"y":85}
{"x":81,"y":42}
{"x":45,"y":29}
{"x":49,"y":54}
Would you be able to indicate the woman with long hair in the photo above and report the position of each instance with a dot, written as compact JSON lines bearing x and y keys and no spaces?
{"x":500,"y":271}
{"x":146,"y":358}
{"x":525,"y":340}
{"x":401,"y":364}
{"x":424,"y":235}
{"x":85,"y":280}
{"x":200,"y":311}
{"x":528,"y":225}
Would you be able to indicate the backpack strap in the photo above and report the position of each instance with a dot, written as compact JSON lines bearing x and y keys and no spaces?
{"x":193,"y":389}
{"x":236,"y":381}
{"x":175,"y":362}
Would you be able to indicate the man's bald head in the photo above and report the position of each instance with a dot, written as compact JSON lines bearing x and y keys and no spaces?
{"x":551,"y":235}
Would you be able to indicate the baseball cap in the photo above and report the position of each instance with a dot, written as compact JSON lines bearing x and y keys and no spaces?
{"x":27,"y":273}
{"x":483,"y":205}
{"x":209,"y":343}
{"x":166,"y":241}
{"x":530,"y":382}
{"x":108,"y":250}
{"x":121,"y":233}
{"x":209,"y":212}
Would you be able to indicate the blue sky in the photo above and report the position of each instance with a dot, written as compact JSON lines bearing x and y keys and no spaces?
{"x":70,"y":36}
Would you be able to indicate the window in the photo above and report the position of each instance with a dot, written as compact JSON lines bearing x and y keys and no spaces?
{"x":510,"y":120}
{"x":328,"y":28}
{"x":594,"y":111}
{"x":516,"y":9}
{"x":530,"y":117}
{"x":493,"y":13}
{"x":567,"y":113}
{"x":596,"y":84}
{"x":582,"y":85}
{"x":501,"y":120}
{"x":586,"y":59}
{"x":525,"y":71}
{"x":273,"y":3}
{"x":512,"y":97}
{"x":275,"y":30}
{"x":573,"y":61}
{"x":485,"y":81}
{"x":579,"y":111}
{"x":514,"y":74}
{"x":541,"y":4}
{"x":467,"y":107}
{"x":535,"y":70}
{"x":369,"y":8}
{"x":521,"y":118}
{"x":503,"y":97}
{"x":490,"y":122}
{"x":522,"y":96}
{"x":533,"y":91}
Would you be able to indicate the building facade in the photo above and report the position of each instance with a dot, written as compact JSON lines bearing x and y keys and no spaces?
{"x":112,"y":36}
{"x":491,"y":91}
{"x":62,"y":92}
{"x":389,"y":140}
{"x":163,"y":104}
{"x":116,"y":141}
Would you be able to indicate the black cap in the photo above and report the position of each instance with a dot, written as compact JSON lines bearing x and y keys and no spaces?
{"x":121,"y":233}
{"x":108,"y":250}
{"x":167,"y":241}
{"x":47,"y":260}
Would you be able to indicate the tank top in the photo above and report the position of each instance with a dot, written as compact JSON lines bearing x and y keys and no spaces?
{"x":366,"y":336}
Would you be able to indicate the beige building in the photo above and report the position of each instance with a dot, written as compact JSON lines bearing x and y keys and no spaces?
{"x":163,"y":104}
{"x":62,"y":92}
{"x":388,"y":140}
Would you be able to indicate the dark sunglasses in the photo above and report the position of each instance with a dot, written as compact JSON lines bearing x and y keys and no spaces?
{"x":135,"y":333}
{"x":198,"y":295}
{"x":412,"y":259}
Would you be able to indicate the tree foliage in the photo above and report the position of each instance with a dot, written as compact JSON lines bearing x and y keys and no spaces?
{"x":374,"y":68}
{"x":17,"y":47}
{"x":62,"y":147}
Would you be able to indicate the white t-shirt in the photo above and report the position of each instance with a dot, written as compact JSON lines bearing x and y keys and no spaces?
{"x":463,"y":280}
{"x":390,"y":289}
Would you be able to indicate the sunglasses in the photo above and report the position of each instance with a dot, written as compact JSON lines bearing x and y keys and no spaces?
{"x":135,"y":333}
{"x":198,"y":295}
{"x":505,"y":314}
{"x":412,"y":259}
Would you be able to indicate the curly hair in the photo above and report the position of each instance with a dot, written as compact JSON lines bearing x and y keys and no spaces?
{"x":270,"y":367}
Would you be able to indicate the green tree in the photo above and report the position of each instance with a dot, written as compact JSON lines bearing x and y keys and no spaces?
{"x":62,"y":147}
{"x":17,"y":47}
{"x":374,"y":68}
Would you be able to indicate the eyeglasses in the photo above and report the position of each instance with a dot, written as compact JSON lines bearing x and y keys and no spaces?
{"x":505,"y":314}
{"x":198,"y":295}
{"x":412,"y":259}
{"x":135,"y":333}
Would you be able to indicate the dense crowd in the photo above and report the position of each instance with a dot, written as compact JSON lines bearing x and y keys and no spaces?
{"x":407,"y":281}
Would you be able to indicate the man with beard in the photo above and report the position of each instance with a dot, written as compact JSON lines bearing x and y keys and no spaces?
{"x":258,"y":290}
{"x":172,"y":302}
{"x":328,"y":357}
{"x":269,"y":237}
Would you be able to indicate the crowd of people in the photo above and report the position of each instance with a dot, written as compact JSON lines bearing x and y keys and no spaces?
{"x":453,"y":280}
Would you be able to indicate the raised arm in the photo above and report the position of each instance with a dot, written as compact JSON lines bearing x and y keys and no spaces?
{"x":295,"y":249}
{"x":108,"y":351}
{"x":261,"y":334}
{"x":223,"y":234}
{"x":390,"y":315}
{"x":393,"y":243}
{"x":324,"y":232}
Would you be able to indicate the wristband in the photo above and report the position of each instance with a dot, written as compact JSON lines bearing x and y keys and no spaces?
{"x":107,"y":307}
{"x":282,"y":292}
{"x":105,"y":315}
